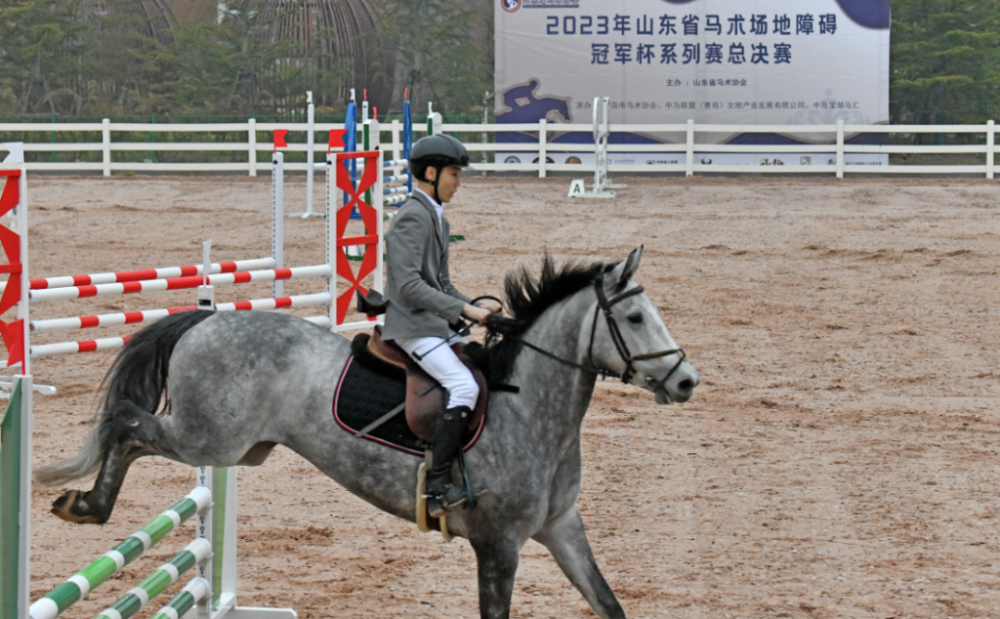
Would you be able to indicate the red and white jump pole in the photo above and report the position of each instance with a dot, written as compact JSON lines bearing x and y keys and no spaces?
{"x":148,"y":317}
{"x":146,"y":274}
{"x":151,"y":316}
{"x":179,"y":283}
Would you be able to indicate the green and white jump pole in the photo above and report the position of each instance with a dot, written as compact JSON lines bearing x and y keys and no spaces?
{"x":100,"y":570}
{"x":193,"y":593}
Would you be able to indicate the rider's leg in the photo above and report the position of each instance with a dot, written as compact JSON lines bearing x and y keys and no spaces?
{"x":444,"y":366}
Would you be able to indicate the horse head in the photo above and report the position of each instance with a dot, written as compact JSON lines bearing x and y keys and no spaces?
{"x":628,"y":337}
{"x":556,"y":106}
{"x":524,"y":107}
{"x":613,"y":324}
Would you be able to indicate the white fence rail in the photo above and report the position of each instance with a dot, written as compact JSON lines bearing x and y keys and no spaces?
{"x":833,"y":138}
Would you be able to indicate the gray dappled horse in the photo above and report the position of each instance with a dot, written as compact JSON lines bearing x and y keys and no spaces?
{"x":241,"y":383}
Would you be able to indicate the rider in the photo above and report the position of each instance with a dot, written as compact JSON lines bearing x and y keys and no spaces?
{"x":423,"y":303}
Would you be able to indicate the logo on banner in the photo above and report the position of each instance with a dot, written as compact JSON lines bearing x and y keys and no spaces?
{"x":512,"y":5}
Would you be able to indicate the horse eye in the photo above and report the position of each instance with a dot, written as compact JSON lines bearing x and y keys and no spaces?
{"x":635,"y":318}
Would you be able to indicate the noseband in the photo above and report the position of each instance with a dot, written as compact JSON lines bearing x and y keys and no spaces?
{"x":604,"y":304}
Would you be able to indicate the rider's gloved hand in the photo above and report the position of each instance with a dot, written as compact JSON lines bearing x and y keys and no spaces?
{"x":476,"y":314}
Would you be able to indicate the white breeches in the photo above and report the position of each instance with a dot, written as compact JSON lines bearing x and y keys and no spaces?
{"x":438,"y":359}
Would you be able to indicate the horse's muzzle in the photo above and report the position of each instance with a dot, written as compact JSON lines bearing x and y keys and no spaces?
{"x":679,"y":390}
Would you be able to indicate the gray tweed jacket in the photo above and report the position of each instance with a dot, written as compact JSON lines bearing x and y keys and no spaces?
{"x":422,"y":299}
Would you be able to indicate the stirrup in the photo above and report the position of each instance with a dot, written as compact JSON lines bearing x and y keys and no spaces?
{"x":440,"y":503}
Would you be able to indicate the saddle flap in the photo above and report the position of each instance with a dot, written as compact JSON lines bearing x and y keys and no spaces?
{"x":426,"y":398}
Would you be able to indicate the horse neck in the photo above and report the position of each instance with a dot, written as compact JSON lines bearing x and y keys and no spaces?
{"x":561,"y":391}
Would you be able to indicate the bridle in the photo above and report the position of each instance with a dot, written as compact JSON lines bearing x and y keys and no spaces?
{"x":604,"y":304}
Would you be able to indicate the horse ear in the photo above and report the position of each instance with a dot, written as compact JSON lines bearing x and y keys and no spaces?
{"x":629,"y":267}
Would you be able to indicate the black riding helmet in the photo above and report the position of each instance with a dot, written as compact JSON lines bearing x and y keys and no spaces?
{"x":438,"y":152}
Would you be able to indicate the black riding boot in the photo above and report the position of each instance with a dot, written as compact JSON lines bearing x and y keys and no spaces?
{"x":442,"y":495}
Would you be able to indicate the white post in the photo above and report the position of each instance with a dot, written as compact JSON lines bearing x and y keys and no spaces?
{"x":206,"y":293}
{"x":397,"y":145}
{"x":599,"y":152}
{"x":252,"y":153}
{"x":379,"y":207}
{"x":486,"y":121}
{"x":373,"y":141}
{"x":606,"y":132}
{"x":310,"y":162}
{"x":310,"y":153}
{"x":106,"y":142}
{"x":333,"y":197}
{"x":205,"y":529}
{"x":840,"y":149}
{"x":373,"y":135}
{"x":990,"y":145}
{"x":690,"y":148}
{"x":542,"y":150}
{"x":434,"y":120}
{"x":605,"y":138}
{"x":278,"y":218}
{"x":224,"y":536}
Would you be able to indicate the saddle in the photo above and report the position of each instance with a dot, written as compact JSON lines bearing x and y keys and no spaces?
{"x":425,"y":397}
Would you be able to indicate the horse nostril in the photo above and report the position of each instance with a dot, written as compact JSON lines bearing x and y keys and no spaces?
{"x":686,"y":385}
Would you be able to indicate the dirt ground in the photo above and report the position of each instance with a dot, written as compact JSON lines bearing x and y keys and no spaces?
{"x":839,"y":459}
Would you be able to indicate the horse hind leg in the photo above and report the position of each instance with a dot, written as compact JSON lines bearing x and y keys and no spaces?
{"x":566,"y":539}
{"x":125,"y":434}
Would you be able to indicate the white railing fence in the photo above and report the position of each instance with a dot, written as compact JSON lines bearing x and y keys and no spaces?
{"x":830,"y":139}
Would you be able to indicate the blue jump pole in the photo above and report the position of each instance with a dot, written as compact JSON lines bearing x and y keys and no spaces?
{"x":407,"y":139}
{"x":350,"y":146}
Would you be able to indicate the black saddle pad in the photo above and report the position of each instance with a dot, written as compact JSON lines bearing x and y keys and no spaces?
{"x":368,"y":389}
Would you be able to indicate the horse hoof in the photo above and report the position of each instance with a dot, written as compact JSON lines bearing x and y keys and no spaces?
{"x":69,"y":506}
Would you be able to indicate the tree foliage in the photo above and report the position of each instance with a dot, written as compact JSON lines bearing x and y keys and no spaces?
{"x":444,"y":50}
{"x":40,"y":43}
{"x":945,"y":61}
{"x":56,"y":60}
{"x":232,"y":67}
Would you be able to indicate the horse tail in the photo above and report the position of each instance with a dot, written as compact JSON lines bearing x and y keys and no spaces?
{"x":137,"y":378}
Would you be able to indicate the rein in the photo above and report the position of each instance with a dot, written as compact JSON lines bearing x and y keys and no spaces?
{"x":604,"y":304}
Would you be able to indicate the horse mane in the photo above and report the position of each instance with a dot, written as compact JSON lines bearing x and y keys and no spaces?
{"x":528,"y":297}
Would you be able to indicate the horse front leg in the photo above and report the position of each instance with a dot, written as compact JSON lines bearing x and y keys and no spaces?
{"x":497,"y":562}
{"x":566,"y":539}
